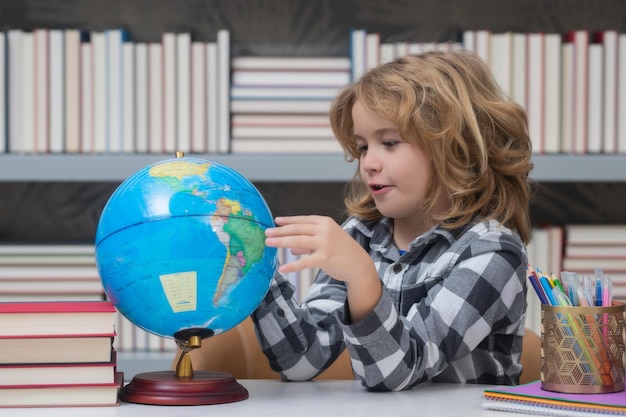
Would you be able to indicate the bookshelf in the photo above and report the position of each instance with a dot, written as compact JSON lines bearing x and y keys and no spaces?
{"x":51,"y":197}
{"x":278,"y":168}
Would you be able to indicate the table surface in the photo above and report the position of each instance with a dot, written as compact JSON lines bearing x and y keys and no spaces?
{"x":273,"y":398}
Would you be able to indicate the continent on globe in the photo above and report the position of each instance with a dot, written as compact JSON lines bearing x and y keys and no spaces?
{"x":243,"y":239}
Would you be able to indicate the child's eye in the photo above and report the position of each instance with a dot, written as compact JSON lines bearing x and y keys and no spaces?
{"x":360,"y":148}
{"x":390,"y":143}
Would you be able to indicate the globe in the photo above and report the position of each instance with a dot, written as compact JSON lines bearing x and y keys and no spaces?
{"x":180,"y":248}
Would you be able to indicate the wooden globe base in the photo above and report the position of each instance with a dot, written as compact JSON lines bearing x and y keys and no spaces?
{"x":165,"y":388}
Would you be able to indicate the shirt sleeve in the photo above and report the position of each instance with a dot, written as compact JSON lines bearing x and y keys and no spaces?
{"x":301,"y":341}
{"x":474,"y":304}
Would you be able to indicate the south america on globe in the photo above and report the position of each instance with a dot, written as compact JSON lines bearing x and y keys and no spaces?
{"x":180,"y":248}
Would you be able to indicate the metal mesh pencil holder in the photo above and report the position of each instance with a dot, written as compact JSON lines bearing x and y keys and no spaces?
{"x":582,"y":349}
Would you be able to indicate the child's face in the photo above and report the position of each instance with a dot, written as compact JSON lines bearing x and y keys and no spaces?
{"x":398,"y":173}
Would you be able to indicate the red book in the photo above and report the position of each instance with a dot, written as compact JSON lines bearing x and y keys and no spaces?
{"x":53,"y":349}
{"x":57,"y":318}
{"x":35,"y":374}
{"x":62,"y":395}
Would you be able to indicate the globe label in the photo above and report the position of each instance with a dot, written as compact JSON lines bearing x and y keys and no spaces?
{"x":180,"y":290}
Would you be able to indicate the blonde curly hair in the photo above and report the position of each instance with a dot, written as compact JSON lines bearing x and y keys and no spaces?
{"x":449,"y":104}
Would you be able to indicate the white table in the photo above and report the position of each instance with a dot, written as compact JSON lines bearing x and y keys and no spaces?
{"x":304,"y":399}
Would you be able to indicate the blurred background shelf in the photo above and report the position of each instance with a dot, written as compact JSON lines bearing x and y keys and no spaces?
{"x":278,"y":168}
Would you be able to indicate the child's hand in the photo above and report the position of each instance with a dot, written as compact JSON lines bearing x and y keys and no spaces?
{"x":334,"y":251}
{"x":329,"y":247}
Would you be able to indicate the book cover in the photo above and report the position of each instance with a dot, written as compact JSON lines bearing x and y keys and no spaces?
{"x":155,"y":98}
{"x":14,"y":89}
{"x":63,"y":395}
{"x":552,"y":93}
{"x":595,"y":97}
{"x":609,"y":92}
{"x":56,"y":82}
{"x":581,"y":90}
{"x":595,"y":234}
{"x":183,"y":92}
{"x":567,"y":94}
{"x":86,"y":97}
{"x":621,"y":93}
{"x":56,"y":349}
{"x":283,"y":93}
{"x":127,"y":112}
{"x":280,"y":106}
{"x":212,"y":95}
{"x":198,"y":88}
{"x":285,"y":63}
{"x":530,"y":398}
{"x":57,"y":318}
{"x":72,"y":90}
{"x":99,"y":91}
{"x":223,"y":91}
{"x":72,"y":373}
{"x":535,"y":84}
{"x":168,"y":43}
{"x":290,"y":78}
{"x":27,"y":131}
{"x":41,"y":88}
{"x":141,"y":120}
{"x":114,"y":89}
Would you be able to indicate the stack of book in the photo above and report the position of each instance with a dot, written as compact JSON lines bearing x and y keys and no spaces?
{"x":281,"y":104}
{"x":49,"y":272}
{"x":58,"y":354}
{"x":588,"y":247}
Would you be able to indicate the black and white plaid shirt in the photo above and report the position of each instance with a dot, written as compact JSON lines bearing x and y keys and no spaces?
{"x":452,"y":310}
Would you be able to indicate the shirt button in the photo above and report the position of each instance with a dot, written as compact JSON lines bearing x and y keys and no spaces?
{"x":280,"y":312}
{"x":397,"y":268}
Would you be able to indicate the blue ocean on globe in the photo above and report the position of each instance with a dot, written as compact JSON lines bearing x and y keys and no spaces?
{"x":180,"y":248}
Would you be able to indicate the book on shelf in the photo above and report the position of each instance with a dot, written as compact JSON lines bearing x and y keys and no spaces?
{"x":57,"y":318}
{"x":223,"y":90}
{"x":530,"y":398}
{"x":56,"y":94}
{"x":281,"y":132}
{"x":595,"y":95}
{"x":213,"y":110}
{"x":72,"y":373}
{"x":98,"y":41}
{"x":500,"y":59}
{"x":589,"y":264}
{"x":127,"y":112}
{"x":168,"y":44}
{"x":72,"y":90}
{"x":155,"y":98}
{"x":86,"y":141}
{"x":597,"y":251}
{"x":580,"y":39}
{"x":552,"y":105}
{"x":62,"y":395}
{"x":41,"y":89}
{"x":57,"y":349}
{"x":199,"y":93}
{"x":317,"y":120}
{"x":3,"y":92}
{"x":585,"y":234}
{"x":621,"y":93}
{"x":609,"y":92}
{"x":295,"y":106}
{"x":285,"y":145}
{"x":535,"y":76}
{"x":283,"y":93}
{"x":291,"y":63}
{"x":279,"y":78}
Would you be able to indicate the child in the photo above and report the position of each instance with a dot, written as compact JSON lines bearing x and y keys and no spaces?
{"x":426,"y":280}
